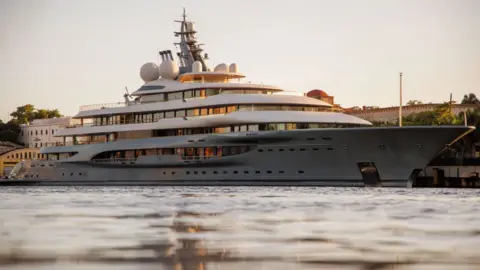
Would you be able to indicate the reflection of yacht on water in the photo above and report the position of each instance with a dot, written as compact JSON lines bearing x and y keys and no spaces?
{"x":190,"y":125}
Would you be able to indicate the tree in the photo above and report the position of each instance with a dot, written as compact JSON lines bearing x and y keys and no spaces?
{"x":470,"y":99}
{"x":414,"y":102}
{"x":27,"y":113}
{"x":24,"y":114}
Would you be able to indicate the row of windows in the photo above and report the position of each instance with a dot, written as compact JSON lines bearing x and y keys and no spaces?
{"x":76,"y":140}
{"x":195,"y":93}
{"x":205,"y":172}
{"x":41,"y":132}
{"x":184,"y":152}
{"x":155,"y":116}
{"x":26,"y":155}
{"x":69,"y":140}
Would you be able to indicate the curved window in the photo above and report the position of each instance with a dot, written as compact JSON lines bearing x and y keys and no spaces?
{"x":150,"y":87}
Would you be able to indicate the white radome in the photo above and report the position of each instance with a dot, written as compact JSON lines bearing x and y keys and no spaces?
{"x":221,"y":68}
{"x":233,"y":68}
{"x":197,"y":67}
{"x":149,"y":72}
{"x":169,"y":70}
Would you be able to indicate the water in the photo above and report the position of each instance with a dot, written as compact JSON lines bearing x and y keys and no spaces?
{"x":239,"y":228}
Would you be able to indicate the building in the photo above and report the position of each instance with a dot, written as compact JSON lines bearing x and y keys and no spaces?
{"x":10,"y":158}
{"x":390,"y":114}
{"x":41,"y":132}
{"x":37,"y":134}
{"x":321,"y":95}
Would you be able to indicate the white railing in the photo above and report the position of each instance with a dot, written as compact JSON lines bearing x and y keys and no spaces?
{"x":196,"y":157}
{"x":101,"y":106}
{"x":114,"y":160}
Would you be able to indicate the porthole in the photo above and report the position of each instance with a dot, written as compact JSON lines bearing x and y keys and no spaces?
{"x":215,"y":172}
{"x":291,"y":149}
{"x":204,"y":172}
{"x":71,"y":174}
{"x":235,"y":172}
{"x":315,"y":149}
{"x":269,"y":171}
{"x":195,"y":172}
{"x":310,"y":139}
{"x":329,"y":148}
{"x":281,"y":150}
{"x":302,"y":149}
{"x":164,"y":172}
{"x":173,"y":172}
{"x":79,"y":173}
{"x":257,"y":172}
{"x":260,"y":150}
{"x":246,"y":172}
{"x":300,"y":172}
{"x":326,"y":138}
{"x":225,"y":172}
{"x":269,"y":150}
{"x":280,"y":171}
{"x":188,"y":172}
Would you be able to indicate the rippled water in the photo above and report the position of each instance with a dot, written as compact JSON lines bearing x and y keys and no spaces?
{"x":239,"y":228}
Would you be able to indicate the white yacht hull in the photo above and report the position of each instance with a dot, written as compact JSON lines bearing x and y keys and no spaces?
{"x":316,"y":157}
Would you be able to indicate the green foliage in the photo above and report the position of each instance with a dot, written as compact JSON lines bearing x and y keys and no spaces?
{"x":27,"y":113}
{"x":470,"y":99}
{"x":9,"y":132}
{"x":414,"y":102}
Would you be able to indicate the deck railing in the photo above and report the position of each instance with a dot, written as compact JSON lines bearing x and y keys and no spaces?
{"x":115,"y":160}
{"x":101,"y":106}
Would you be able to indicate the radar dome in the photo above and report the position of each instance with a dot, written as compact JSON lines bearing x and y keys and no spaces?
{"x":221,"y":68}
{"x":233,"y":68}
{"x":149,"y":72}
{"x":197,"y":66}
{"x":169,"y":70}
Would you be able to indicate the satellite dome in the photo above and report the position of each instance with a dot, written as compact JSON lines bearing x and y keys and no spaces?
{"x":169,"y":70}
{"x":197,"y":67}
{"x":233,"y":68}
{"x":221,"y":68}
{"x":149,"y":72}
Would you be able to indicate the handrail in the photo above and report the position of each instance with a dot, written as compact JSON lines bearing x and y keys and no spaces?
{"x":196,"y":157}
{"x":114,"y":160}
{"x":101,"y":106}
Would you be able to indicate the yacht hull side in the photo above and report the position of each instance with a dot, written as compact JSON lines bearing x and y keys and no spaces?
{"x":329,"y":157}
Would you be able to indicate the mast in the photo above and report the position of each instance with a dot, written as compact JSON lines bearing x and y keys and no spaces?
{"x":190,"y":51}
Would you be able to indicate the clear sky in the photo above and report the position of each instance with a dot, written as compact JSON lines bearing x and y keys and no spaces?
{"x":66,"y":53}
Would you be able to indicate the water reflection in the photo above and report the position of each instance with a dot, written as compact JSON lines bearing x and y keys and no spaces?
{"x":239,"y":228}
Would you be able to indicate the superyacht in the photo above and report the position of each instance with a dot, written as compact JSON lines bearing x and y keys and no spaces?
{"x":191,"y":125}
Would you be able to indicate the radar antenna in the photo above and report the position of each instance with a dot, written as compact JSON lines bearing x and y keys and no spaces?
{"x":190,"y":51}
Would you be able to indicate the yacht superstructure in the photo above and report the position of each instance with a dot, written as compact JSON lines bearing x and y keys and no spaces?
{"x":191,"y":125}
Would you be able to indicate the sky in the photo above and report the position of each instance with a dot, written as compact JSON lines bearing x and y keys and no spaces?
{"x":59,"y":54}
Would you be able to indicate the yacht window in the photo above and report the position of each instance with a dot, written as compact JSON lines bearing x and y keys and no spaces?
{"x":252,"y":127}
{"x":243,"y":128}
{"x":231,"y":109}
{"x":158,"y":116}
{"x":211,"y":92}
{"x":151,"y":87}
{"x":200,"y":93}
{"x":169,"y":114}
{"x":175,"y":95}
{"x":188,"y":94}
{"x":180,"y":113}
{"x":291,"y":126}
{"x":222,"y":110}
{"x":203,"y":111}
{"x":190,"y":112}
{"x":271,"y":126}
